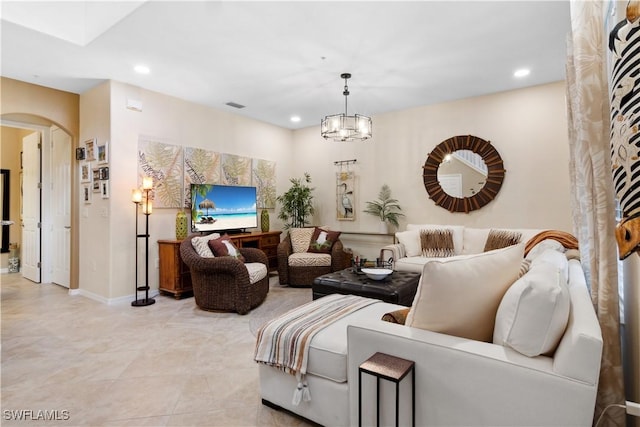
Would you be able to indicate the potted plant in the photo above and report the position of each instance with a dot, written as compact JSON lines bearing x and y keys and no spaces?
{"x":386,"y":208}
{"x":296,"y":203}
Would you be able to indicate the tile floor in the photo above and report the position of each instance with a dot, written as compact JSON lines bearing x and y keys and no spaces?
{"x":169,"y":364}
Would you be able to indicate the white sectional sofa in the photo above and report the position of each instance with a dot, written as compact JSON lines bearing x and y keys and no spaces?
{"x":466,"y":240}
{"x":459,"y":381}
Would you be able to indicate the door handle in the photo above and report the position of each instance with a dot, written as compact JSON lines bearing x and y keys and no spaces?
{"x":67,"y":227}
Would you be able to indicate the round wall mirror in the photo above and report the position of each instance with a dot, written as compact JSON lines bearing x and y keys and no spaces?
{"x":463,"y":173}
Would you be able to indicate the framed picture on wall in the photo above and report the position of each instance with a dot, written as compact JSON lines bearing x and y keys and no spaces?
{"x":104,"y":173}
{"x":85,"y":172}
{"x":80,"y":153}
{"x":345,"y":196}
{"x":90,"y":149}
{"x":96,"y":185}
{"x":86,"y":194}
{"x":104,"y":189}
{"x":103,"y":153}
{"x":96,"y":174}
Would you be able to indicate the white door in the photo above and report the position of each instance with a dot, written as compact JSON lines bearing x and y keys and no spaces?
{"x":61,"y":206}
{"x":31,"y":207}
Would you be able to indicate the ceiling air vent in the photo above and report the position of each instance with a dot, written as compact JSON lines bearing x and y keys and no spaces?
{"x":235,"y":105}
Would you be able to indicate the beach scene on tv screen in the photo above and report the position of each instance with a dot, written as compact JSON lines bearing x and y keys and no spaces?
{"x":221,"y":207}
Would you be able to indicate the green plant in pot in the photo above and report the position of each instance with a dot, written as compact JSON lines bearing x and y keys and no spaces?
{"x":296,"y":205}
{"x":386,"y":208}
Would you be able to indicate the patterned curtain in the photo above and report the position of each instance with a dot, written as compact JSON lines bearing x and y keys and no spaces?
{"x":592,"y":190}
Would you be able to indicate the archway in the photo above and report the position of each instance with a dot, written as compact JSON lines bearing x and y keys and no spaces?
{"x":54,"y":251}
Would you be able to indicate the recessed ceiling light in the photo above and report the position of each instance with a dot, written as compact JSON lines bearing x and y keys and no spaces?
{"x":521,"y":72}
{"x":142,"y":69}
{"x":295,"y":119}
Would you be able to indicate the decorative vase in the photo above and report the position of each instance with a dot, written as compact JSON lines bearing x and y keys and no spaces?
{"x":383,"y":228}
{"x":181,"y":225}
{"x":264,"y":220}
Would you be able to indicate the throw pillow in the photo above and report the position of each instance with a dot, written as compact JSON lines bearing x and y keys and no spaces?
{"x":460,"y":296}
{"x":456,"y":230}
{"x":542,"y":247}
{"x":322,"y":240}
{"x":201,"y":246}
{"x":224,"y":247}
{"x":524,"y":267}
{"x":410,"y":239}
{"x":398,"y":316}
{"x":572,"y":254}
{"x":300,"y":239}
{"x":555,"y":258}
{"x":534,"y":311}
{"x":436,"y":243}
{"x":499,"y":239}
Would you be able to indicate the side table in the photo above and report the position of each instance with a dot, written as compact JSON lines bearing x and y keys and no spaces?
{"x":393,"y":369}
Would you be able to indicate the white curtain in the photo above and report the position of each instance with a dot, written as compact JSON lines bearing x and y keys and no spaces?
{"x":592,"y":189}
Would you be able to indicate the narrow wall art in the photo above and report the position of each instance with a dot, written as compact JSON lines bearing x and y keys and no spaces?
{"x":345,"y":196}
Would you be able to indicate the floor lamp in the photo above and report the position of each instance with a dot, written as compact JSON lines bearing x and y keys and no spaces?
{"x":141,"y":197}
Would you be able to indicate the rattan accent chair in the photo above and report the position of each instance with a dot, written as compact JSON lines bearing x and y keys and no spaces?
{"x":302,"y":276}
{"x":222,"y":283}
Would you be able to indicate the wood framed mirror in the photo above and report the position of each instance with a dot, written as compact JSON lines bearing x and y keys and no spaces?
{"x":456,"y":195}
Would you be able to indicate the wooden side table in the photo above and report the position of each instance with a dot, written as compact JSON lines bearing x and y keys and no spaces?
{"x":174,"y":275}
{"x":390,"y":368}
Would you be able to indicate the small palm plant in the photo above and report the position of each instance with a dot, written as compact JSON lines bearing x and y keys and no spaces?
{"x":386,"y":208}
{"x":296,"y":203}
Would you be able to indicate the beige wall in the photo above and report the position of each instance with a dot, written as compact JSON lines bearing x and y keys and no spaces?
{"x":94,"y":222}
{"x":26,"y":101}
{"x":527,"y":127}
{"x":108,"y":259}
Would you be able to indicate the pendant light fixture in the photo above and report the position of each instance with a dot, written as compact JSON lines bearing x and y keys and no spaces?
{"x":342,"y":127}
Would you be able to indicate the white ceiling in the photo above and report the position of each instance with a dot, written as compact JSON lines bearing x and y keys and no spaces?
{"x":285,"y":58}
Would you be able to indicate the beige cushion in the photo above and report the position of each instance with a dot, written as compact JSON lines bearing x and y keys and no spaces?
{"x":460,"y":296}
{"x":201,"y":244}
{"x":300,"y":239}
{"x":474,"y":240}
{"x":410,"y":239}
{"x":534,"y":311}
{"x":257,"y":271}
{"x":309,"y":259}
{"x":456,"y":230}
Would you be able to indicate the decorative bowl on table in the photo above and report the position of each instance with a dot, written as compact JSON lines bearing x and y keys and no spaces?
{"x":377,"y":273}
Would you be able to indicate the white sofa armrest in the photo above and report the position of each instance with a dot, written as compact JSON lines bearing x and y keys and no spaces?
{"x":466,"y":382}
{"x":579,"y":352}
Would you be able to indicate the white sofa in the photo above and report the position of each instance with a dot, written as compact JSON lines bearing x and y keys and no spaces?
{"x":459,"y":381}
{"x":466,"y":240}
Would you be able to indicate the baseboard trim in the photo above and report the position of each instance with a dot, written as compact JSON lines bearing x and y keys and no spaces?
{"x":110,"y":301}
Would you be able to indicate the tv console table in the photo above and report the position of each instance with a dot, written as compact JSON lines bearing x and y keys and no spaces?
{"x":174,"y":275}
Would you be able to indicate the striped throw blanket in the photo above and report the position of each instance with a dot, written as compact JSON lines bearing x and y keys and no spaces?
{"x":284,"y":341}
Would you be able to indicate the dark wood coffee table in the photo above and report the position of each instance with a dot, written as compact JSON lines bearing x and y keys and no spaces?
{"x":398,"y":288}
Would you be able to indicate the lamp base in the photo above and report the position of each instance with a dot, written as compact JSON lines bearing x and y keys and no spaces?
{"x":143,"y":302}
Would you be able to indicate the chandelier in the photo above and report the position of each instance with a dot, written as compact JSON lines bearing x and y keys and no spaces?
{"x":342,"y":127}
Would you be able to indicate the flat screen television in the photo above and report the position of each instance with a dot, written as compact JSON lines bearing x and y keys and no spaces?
{"x":223,"y":208}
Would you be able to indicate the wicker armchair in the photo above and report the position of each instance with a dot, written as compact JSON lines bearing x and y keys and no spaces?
{"x":302,"y":276}
{"x":222,"y":283}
